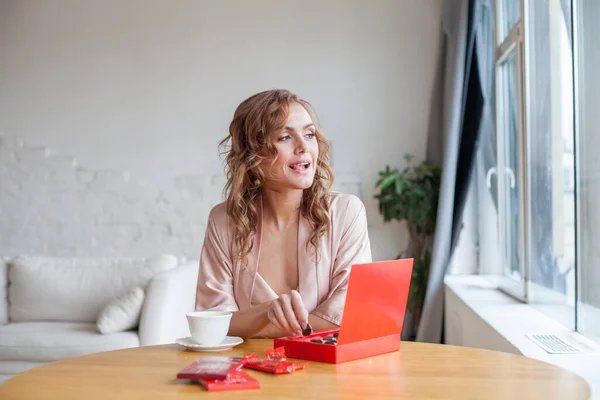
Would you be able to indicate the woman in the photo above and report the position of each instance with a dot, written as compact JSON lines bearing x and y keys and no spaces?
{"x":278,"y":252}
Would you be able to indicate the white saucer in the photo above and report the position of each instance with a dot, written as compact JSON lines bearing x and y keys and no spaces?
{"x":226,"y":344}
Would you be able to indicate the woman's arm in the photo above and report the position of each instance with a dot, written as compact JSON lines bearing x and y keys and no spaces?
{"x":250,"y":322}
{"x":214,"y":291}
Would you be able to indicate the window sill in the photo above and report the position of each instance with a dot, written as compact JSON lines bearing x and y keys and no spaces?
{"x":479,"y":315}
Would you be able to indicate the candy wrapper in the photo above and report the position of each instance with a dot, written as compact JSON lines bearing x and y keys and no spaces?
{"x":237,"y":380}
{"x":215,"y":367}
{"x":275,"y":363}
{"x":276,"y":354}
{"x":274,"y":366}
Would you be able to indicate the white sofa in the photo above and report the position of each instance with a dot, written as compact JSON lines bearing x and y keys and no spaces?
{"x":49,"y":306}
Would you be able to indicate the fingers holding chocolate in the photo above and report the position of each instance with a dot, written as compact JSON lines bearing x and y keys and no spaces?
{"x":288,"y":314}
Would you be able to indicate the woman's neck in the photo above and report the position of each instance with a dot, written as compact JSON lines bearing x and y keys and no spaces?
{"x":281,"y":208}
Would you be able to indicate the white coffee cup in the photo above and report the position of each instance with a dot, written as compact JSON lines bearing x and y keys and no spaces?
{"x":209,"y":327}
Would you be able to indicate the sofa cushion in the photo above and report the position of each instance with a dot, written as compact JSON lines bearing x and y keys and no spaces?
{"x":3,"y":290}
{"x":74,"y":289}
{"x":50,"y":341}
{"x":122,"y":313}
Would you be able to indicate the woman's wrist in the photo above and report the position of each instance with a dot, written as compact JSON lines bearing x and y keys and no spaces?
{"x":250,"y":322}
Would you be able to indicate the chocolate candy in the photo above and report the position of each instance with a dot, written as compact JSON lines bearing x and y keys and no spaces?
{"x":332,"y":340}
{"x":307,"y":330}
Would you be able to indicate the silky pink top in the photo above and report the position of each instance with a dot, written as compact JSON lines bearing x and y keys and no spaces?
{"x":225,"y":284}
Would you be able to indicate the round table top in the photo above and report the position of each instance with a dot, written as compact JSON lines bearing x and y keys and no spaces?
{"x":417,"y":371}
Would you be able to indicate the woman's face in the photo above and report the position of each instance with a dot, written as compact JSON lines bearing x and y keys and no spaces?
{"x":297,"y":153}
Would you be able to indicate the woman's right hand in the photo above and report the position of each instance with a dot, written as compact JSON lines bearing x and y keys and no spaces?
{"x":288,"y":314}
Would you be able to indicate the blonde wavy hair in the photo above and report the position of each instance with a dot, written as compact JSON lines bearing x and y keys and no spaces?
{"x":246,"y":147}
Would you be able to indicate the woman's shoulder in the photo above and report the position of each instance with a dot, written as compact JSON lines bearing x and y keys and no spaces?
{"x":345,"y":208}
{"x":218,"y":215}
{"x":345,"y":201}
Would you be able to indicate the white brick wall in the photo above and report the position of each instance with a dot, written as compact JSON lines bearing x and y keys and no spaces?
{"x":155,"y":95}
{"x":49,"y":204}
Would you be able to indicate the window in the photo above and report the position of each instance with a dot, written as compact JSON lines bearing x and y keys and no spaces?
{"x":537,"y":180}
{"x":587,"y":101}
{"x":508,"y":17}
{"x":550,"y":154}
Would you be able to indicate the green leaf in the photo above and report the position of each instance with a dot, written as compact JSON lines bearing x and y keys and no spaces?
{"x":387,"y":181}
{"x":399,"y":186}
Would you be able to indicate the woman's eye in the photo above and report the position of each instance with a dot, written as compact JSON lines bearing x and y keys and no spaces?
{"x":284,"y":138}
{"x":311,"y":135}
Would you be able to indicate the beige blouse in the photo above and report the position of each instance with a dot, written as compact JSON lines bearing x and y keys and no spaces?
{"x":226,"y":284}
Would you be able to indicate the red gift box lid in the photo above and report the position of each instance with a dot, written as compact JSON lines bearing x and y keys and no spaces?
{"x":376,"y":300}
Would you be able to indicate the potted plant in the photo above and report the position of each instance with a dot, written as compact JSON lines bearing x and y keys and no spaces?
{"x":411,"y":196}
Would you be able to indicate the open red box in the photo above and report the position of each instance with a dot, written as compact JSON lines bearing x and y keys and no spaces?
{"x":372,"y":320}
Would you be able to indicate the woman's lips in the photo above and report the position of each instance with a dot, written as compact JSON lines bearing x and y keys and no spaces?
{"x":301,"y":166}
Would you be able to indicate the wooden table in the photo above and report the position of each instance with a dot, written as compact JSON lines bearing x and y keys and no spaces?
{"x":417,"y":371}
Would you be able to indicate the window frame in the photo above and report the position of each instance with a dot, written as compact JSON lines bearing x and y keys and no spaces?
{"x":514,"y":41}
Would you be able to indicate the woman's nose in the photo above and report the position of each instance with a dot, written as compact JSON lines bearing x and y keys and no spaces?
{"x":301,"y":147}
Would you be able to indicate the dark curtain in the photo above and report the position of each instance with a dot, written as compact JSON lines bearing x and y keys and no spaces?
{"x":471,"y":121}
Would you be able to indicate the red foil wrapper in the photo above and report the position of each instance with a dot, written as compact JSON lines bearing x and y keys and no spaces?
{"x":212,"y":367}
{"x":274,"y":366}
{"x":237,"y":380}
{"x":276,"y":354}
{"x":275,"y":363}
